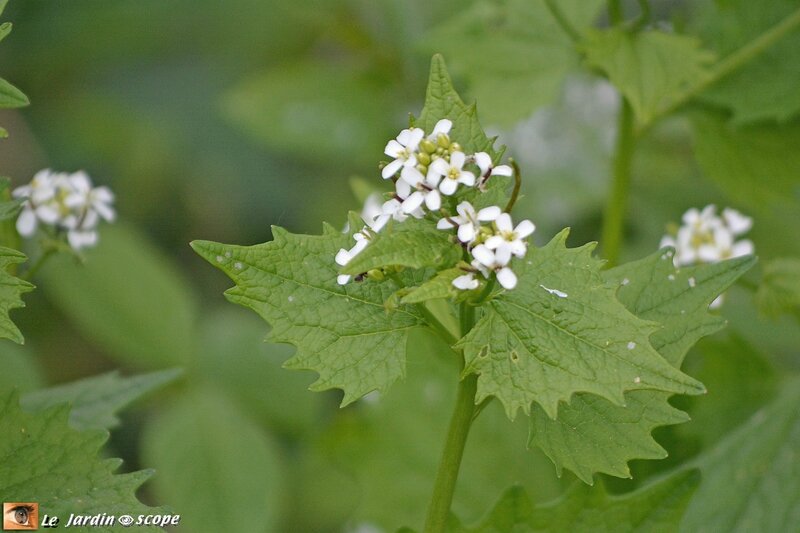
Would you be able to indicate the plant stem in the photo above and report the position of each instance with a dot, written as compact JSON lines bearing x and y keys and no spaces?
{"x":460,"y":422}
{"x":614,"y":214}
{"x":562,"y":21}
{"x":615,"y":14}
{"x":447,"y":475}
{"x":517,"y":186}
{"x":28,"y":275}
{"x":436,"y":325}
{"x":734,"y":62}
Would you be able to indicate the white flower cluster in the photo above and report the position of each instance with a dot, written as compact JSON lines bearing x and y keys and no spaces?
{"x":424,"y":170}
{"x":706,"y":237}
{"x":66,"y":202}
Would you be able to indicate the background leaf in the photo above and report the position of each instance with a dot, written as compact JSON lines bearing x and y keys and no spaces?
{"x":779,"y":291}
{"x":751,"y":479}
{"x":128,"y":298}
{"x":240,"y":479}
{"x":512,"y":53}
{"x":95,"y":401}
{"x":649,"y":68}
{"x":656,"y":507}
{"x":57,"y":467}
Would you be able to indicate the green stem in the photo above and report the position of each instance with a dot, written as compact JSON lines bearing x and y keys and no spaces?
{"x":517,"y":187}
{"x":447,"y":475}
{"x":614,"y":214}
{"x":562,"y":21}
{"x":487,"y":290}
{"x":436,"y":324}
{"x":734,"y":62}
{"x":28,"y":275}
{"x":460,"y":422}
{"x":644,"y":15}
{"x":615,"y":14}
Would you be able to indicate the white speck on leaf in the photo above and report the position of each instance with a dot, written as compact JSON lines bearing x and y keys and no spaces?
{"x":637,"y":379}
{"x":557,"y":292}
{"x":290,"y":298}
{"x":625,"y":281}
{"x":228,"y":254}
{"x":631,"y":345}
{"x":220,"y":259}
{"x":692,"y":282}
{"x":238,"y":265}
{"x":671,"y":277}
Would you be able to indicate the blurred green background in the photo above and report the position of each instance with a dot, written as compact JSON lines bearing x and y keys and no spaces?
{"x":215,"y":120}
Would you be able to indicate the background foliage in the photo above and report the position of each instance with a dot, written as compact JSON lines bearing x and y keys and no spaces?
{"x":216,"y":120}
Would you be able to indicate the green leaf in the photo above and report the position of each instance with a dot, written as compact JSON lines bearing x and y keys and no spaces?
{"x":512,"y":53}
{"x":442,"y":101}
{"x":215,"y":465}
{"x":47,"y":462}
{"x":751,"y":479}
{"x":95,"y":401}
{"x":413,"y":243}
{"x":315,"y":109}
{"x":233,"y":354}
{"x":766,"y":87}
{"x":10,"y":209}
{"x":11,"y":291}
{"x":739,"y":380}
{"x":562,"y":331}
{"x":128,"y":298}
{"x":657,"y":507}
{"x":439,"y":286}
{"x":10,"y":96}
{"x":341,"y":332}
{"x":5,"y":29}
{"x":593,"y":435}
{"x":779,"y":291}
{"x":650,"y":68}
{"x":757,"y":166}
{"x":21,"y":369}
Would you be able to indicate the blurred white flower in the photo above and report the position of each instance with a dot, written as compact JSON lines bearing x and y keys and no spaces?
{"x":706,"y":237}
{"x":69,"y":203}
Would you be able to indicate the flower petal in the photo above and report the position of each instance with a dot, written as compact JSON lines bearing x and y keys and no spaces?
{"x":433,"y":200}
{"x":467,"y":282}
{"x":440,"y":166}
{"x":448,"y":187}
{"x":391,"y":169}
{"x":466,"y":232}
{"x":503,"y":222}
{"x":487,"y":214}
{"x":524,"y":228}
{"x":443,"y":126}
{"x":741,"y":248}
{"x":412,"y":176}
{"x":457,"y":160}
{"x":507,"y":278}
{"x":444,"y":223}
{"x":342,"y":257}
{"x":502,"y":170}
{"x":483,"y":161}
{"x":342,"y":279}
{"x":413,"y":202}
{"x":26,"y":223}
{"x":483,"y":255}
{"x":494,"y":242}
{"x":503,"y":254}
{"x":467,"y":178}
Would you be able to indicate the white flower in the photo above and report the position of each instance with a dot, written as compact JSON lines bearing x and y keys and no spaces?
{"x":468,"y":221}
{"x":410,"y":178}
{"x":467,"y":282}
{"x":68,"y":202}
{"x":508,"y":238}
{"x":448,"y":174}
{"x":496,"y":260}
{"x":403,"y":149}
{"x":705,"y":237}
{"x":372,"y":208}
{"x":484,"y":162}
{"x":344,"y":256}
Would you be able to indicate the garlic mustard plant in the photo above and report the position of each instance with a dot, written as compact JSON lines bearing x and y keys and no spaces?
{"x":546,"y":330}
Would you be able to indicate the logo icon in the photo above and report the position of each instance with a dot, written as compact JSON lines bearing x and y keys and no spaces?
{"x":125,"y":520}
{"x":20,"y":516}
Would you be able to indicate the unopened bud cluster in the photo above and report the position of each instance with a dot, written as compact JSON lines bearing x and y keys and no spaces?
{"x":427,"y":170}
